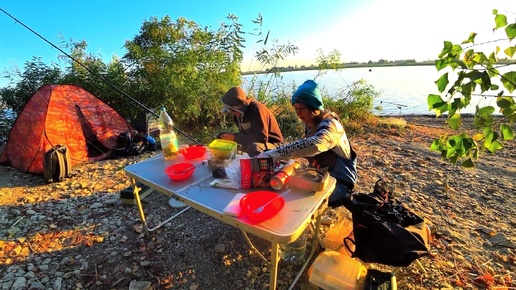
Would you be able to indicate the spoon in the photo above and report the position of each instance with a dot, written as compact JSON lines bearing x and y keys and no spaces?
{"x":187,"y":169}
{"x":260,"y":209}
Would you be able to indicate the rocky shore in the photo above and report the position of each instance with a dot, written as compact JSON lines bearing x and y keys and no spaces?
{"x":77,"y":234}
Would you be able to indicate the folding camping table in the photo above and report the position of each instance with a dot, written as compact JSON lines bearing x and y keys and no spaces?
{"x":301,"y":209}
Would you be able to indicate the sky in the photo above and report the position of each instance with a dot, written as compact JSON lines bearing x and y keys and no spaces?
{"x":361,"y":30}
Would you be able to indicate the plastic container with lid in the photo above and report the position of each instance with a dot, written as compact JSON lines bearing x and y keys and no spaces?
{"x":334,"y":271}
{"x":223,"y":149}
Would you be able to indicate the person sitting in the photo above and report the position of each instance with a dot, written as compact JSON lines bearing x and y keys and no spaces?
{"x":258,"y":129}
{"x":325,"y":145}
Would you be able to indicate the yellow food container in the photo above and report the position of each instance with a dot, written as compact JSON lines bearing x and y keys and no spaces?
{"x":223,"y":149}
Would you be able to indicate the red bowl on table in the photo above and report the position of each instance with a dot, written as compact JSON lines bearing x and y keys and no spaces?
{"x":250,"y":205}
{"x":180,"y":171}
{"x":193,"y":152}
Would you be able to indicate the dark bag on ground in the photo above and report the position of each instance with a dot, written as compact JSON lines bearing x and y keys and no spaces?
{"x":132,"y":144}
{"x":385,"y":231}
{"x":57,"y":164}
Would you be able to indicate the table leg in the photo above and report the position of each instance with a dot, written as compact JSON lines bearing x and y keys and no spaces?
{"x":314,"y":242}
{"x":253,"y":248}
{"x":274,"y":265}
{"x":136,"y":192}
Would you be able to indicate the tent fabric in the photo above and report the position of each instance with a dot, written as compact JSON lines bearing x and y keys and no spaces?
{"x":62,"y":115}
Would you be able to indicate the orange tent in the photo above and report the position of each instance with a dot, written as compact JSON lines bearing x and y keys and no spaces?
{"x":67,"y":115}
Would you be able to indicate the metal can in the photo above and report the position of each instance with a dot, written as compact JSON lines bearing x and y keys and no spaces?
{"x":280,"y":179}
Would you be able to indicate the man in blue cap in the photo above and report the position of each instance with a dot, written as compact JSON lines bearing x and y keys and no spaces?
{"x":325,"y":144}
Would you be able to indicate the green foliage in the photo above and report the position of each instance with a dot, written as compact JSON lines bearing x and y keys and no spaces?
{"x":270,"y":56}
{"x":475,"y":71}
{"x":187,"y":69}
{"x":35,"y":74}
{"x":13,"y":97}
{"x":184,"y":67}
{"x":6,"y":122}
{"x":329,"y":61}
{"x":353,"y":102}
{"x":103,"y":80}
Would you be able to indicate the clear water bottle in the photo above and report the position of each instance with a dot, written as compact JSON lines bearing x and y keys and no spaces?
{"x":295,"y":251}
{"x":167,"y":136}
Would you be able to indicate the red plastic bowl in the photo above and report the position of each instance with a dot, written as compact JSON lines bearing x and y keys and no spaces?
{"x":253,"y":200}
{"x":193,"y":152}
{"x":180,"y":171}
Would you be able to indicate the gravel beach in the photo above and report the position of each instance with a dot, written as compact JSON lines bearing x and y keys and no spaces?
{"x":77,"y":234}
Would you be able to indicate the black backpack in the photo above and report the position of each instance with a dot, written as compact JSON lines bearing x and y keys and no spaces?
{"x":57,"y":164}
{"x":384,"y":230}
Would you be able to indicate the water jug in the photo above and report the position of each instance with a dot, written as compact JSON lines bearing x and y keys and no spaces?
{"x":295,"y":251}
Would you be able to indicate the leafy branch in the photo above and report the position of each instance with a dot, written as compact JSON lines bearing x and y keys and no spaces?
{"x":476,"y":71}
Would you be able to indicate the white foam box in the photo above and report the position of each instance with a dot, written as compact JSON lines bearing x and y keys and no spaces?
{"x":332,"y":270}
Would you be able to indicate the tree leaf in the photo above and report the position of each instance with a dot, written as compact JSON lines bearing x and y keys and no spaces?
{"x":509,"y":80}
{"x":478,"y":137}
{"x":436,"y":145}
{"x":468,"y":163}
{"x":495,"y":146}
{"x":435,"y":101}
{"x":471,"y":38}
{"x":442,"y":82}
{"x":507,"y":132}
{"x":509,"y":51}
{"x":455,"y":121}
{"x":467,"y":88}
{"x":491,"y":142}
{"x":485,"y":111}
{"x":510,"y":30}
{"x":504,"y":102}
{"x":500,"y":20}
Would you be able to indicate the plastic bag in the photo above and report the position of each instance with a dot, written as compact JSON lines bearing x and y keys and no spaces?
{"x":225,"y":183}
{"x":342,"y":228}
{"x":233,"y":168}
{"x":232,"y":171}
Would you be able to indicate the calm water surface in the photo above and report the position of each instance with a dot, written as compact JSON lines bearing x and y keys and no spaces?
{"x":403,"y":89}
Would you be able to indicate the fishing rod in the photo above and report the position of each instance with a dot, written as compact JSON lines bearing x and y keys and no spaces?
{"x":113,"y":87}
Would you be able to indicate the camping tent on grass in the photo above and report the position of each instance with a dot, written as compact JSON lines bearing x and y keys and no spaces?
{"x":62,"y":115}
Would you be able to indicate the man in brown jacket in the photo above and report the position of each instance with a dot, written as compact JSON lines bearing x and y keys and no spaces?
{"x":258,"y":129}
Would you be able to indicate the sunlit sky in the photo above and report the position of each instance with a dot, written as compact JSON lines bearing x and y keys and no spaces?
{"x":361,"y":30}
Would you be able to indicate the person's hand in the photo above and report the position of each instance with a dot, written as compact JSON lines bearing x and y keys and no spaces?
{"x":262,"y":155}
{"x":226,"y":136}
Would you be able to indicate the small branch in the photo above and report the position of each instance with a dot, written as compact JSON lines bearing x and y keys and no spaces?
{"x":16,"y":222}
{"x":118,"y":281}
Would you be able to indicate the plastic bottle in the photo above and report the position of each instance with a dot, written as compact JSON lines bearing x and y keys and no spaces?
{"x":295,"y":251}
{"x":167,"y":136}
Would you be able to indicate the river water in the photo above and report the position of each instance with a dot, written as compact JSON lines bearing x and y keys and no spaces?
{"x":402,"y":89}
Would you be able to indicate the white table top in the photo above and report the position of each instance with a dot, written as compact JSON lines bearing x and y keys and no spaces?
{"x":196,"y":192}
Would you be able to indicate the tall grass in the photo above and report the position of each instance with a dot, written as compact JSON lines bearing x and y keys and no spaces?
{"x":353,"y":103}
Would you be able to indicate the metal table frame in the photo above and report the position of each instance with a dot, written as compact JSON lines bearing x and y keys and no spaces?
{"x":301,"y":209}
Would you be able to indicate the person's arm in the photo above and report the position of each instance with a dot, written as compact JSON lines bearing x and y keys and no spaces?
{"x":226,"y":136}
{"x":258,"y":121}
{"x":328,"y":136}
